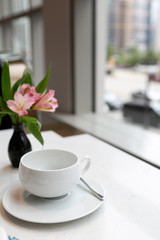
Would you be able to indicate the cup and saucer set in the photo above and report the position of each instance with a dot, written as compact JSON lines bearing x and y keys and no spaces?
{"x":49,"y":189}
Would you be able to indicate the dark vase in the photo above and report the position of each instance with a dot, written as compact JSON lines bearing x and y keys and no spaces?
{"x":19,"y":144}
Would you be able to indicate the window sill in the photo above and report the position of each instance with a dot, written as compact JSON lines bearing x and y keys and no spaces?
{"x":134,"y":140}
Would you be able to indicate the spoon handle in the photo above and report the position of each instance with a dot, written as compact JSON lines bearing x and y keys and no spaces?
{"x":95,"y":193}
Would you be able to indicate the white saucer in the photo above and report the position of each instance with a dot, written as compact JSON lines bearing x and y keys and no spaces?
{"x":28,"y":207}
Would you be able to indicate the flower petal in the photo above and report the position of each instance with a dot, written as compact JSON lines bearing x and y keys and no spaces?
{"x":24,"y":88}
{"x":21,"y":103}
{"x":47,"y":102}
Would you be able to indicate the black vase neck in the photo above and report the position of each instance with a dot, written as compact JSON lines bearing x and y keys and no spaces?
{"x":18,"y":127}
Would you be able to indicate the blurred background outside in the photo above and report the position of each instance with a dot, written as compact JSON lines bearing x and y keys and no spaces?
{"x":132,"y":82}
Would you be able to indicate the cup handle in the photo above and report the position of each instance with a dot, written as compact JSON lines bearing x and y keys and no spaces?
{"x":87,"y":162}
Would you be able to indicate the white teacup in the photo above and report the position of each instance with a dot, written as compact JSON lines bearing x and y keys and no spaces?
{"x":51,"y":172}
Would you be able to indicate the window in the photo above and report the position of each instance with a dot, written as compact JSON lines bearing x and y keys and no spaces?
{"x":135,"y":55}
{"x":19,"y":28}
{"x":21,"y":38}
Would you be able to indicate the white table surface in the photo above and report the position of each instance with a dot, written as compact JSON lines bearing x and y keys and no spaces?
{"x":131,"y":210}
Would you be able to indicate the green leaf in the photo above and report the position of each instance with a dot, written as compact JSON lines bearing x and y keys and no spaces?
{"x":26,"y":78}
{"x":11,"y":114}
{"x":1,"y":116}
{"x":6,"y":112}
{"x":25,"y":71}
{"x":26,"y":118}
{"x":3,"y":104}
{"x":6,"y":82}
{"x":41,"y":87}
{"x":33,"y":128}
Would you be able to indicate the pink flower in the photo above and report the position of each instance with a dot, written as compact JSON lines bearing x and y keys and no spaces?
{"x":24,"y":88}
{"x":21,"y":103}
{"x":47,"y":102}
{"x":28,"y":89}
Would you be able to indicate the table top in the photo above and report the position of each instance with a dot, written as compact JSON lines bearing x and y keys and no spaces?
{"x":131,"y":209}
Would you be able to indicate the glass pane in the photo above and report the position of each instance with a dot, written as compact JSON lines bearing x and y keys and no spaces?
{"x":21,"y":39}
{"x":18,"y":6}
{"x":132,"y":83}
{"x":1,"y":39}
{"x":1,"y":10}
{"x":5,"y":4}
{"x":37,"y":3}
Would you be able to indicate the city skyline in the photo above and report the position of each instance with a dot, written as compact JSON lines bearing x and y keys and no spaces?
{"x":133,"y":23}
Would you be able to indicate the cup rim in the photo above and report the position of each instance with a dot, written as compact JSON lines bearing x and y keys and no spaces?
{"x":48,"y":170}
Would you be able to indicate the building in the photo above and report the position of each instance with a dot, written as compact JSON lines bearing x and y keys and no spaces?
{"x":132,"y":22}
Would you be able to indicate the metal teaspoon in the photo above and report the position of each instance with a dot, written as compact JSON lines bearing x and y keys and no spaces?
{"x":95,"y":193}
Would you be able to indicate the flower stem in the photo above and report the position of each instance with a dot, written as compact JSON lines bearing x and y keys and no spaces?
{"x":17,"y":119}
